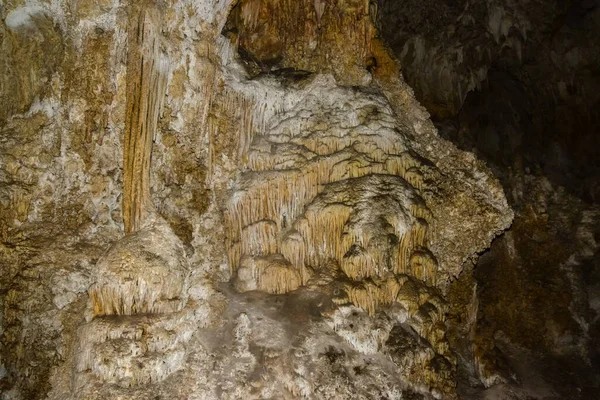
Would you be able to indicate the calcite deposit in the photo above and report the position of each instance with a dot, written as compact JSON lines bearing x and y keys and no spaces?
{"x":217,"y":199}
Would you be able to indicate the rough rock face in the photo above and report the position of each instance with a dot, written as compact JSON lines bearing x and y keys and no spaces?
{"x":201,"y":201}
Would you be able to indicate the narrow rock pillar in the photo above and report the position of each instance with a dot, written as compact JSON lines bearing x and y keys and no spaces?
{"x":147,"y":70}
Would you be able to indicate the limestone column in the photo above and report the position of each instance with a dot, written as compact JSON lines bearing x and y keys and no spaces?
{"x":147,"y":70}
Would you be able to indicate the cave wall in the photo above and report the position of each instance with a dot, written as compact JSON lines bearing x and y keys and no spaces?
{"x":513,"y":83}
{"x":64,"y":90}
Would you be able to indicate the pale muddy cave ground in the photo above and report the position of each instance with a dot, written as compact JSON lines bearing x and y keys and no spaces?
{"x":513,"y":83}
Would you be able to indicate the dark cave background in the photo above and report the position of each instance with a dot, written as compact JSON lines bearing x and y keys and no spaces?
{"x":518,"y":83}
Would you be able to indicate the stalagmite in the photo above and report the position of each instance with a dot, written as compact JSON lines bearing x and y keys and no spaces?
{"x":141,"y":282}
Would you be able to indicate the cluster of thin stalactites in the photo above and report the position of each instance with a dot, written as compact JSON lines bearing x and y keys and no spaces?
{"x":304,"y":202}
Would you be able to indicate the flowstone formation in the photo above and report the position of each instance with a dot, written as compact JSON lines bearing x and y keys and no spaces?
{"x":334,"y":199}
{"x":332,"y":196}
{"x":292,"y":220}
{"x":331,"y":184}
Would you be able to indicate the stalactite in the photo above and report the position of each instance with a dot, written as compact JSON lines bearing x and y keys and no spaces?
{"x":250,"y":12}
{"x":293,"y":30}
{"x":423,"y":266}
{"x":414,"y":177}
{"x":271,"y":274}
{"x":357,"y":264}
{"x":238,"y":114}
{"x":229,"y":111}
{"x":259,"y":238}
{"x":293,"y":247}
{"x":136,"y":297}
{"x":370,"y":296}
{"x":147,"y":72}
{"x":420,"y":210}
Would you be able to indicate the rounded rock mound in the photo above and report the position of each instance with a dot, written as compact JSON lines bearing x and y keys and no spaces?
{"x":143,"y":273}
